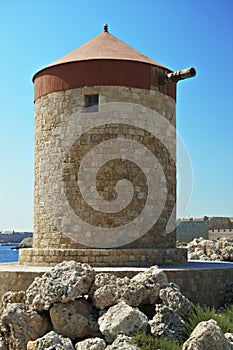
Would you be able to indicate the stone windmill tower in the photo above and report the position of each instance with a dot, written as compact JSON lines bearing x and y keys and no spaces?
{"x":105,"y":94}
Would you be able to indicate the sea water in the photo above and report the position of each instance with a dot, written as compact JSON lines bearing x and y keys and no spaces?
{"x":7,"y":254}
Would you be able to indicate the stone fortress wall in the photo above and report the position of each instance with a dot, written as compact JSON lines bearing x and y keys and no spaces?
{"x":206,"y":227}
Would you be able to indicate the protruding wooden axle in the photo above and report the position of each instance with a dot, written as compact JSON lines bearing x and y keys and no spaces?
{"x":174,"y":77}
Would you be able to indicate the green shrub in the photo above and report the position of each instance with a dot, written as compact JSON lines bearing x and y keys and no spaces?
{"x":205,"y":313}
{"x":224,"y":318}
{"x":145,"y":342}
{"x":228,"y":313}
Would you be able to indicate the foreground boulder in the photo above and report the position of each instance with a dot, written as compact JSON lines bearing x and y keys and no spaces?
{"x":122,"y":342}
{"x":166,"y":323}
{"x":173,"y":298}
{"x":207,"y":336}
{"x":229,"y":338}
{"x":108,"y":289}
{"x":152,"y":280}
{"x":143,"y":288}
{"x":91,"y":344}
{"x":19,"y":325}
{"x":122,"y":319}
{"x":66,"y":281}
{"x":75,"y":319}
{"x":51,"y":341}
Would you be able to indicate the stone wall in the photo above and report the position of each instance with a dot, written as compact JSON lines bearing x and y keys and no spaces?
{"x":206,"y":227}
{"x":54,"y":109}
{"x":203,"y":286}
{"x":186,"y":231}
{"x":220,"y":223}
{"x":215,"y":234}
{"x":16,"y":280}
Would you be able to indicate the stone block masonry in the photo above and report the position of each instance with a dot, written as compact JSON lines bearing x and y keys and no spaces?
{"x":104,"y":257}
{"x":51,"y":245}
{"x":202,"y":283}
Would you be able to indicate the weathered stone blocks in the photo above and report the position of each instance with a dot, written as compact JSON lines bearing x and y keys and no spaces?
{"x":54,"y":109}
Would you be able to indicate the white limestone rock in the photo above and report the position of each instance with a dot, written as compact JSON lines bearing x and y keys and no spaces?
{"x":91,"y":344}
{"x":143,"y":288}
{"x":74,"y":319}
{"x":227,"y":253}
{"x":122,"y":342}
{"x":166,"y":323}
{"x":123,"y":289}
{"x":13,"y":297}
{"x":229,"y":337}
{"x":207,"y":336}
{"x":212,"y":250}
{"x":122,"y":319}
{"x":196,"y":249}
{"x":173,"y":298}
{"x":152,"y":280}
{"x":51,"y":341}
{"x":152,"y":276}
{"x":66,"y":281}
{"x":20,"y":325}
{"x":107,"y":290}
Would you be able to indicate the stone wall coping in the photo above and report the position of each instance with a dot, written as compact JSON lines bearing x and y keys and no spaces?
{"x":200,"y":265}
{"x":191,"y":265}
{"x":15,"y":267}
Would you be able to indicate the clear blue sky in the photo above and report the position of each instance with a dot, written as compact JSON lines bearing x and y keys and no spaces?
{"x":175,"y":33}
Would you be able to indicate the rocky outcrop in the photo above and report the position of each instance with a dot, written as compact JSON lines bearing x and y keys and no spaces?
{"x":211,"y":250}
{"x":166,"y":323}
{"x":75,"y":319}
{"x":122,"y":319}
{"x":73,"y":307}
{"x":51,"y":341}
{"x":66,"y":281}
{"x":91,"y":344}
{"x":207,"y":336}
{"x":25,"y":243}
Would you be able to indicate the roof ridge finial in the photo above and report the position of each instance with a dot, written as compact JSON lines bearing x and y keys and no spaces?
{"x":105,"y":28}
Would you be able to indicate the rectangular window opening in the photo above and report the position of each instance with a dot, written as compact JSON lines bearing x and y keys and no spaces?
{"x":92,"y":103}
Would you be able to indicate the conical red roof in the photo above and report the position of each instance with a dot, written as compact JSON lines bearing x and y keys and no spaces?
{"x":105,"y":46}
{"x":102,"y":61}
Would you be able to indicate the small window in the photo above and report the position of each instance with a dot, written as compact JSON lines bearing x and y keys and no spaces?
{"x":92,"y":103}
